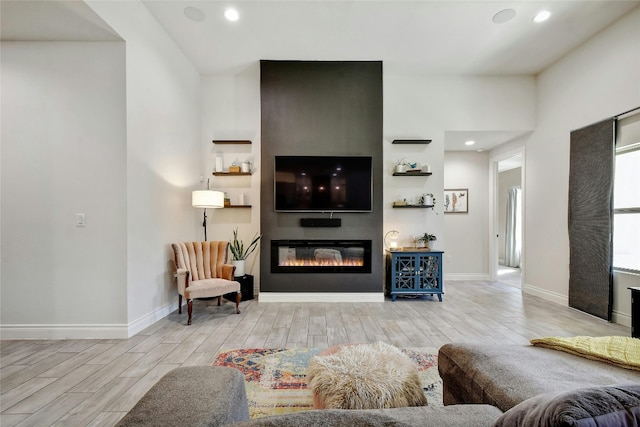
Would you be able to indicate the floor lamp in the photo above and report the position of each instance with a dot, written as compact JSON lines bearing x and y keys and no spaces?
{"x":207,"y":199}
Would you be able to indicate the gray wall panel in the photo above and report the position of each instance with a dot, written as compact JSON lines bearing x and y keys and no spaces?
{"x":320,"y":108}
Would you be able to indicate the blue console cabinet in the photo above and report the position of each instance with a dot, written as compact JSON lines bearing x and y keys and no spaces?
{"x":414,"y":272}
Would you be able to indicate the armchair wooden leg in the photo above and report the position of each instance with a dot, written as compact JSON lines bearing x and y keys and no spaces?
{"x":238,"y":299}
{"x":179,"y":304}
{"x":189,"y":309}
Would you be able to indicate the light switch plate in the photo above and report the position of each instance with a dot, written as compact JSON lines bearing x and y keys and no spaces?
{"x":80,"y":220}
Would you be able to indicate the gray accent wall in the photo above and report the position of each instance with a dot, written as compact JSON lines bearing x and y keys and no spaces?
{"x":319,"y":108}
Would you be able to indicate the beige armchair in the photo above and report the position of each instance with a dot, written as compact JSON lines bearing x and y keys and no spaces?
{"x":203,"y":272}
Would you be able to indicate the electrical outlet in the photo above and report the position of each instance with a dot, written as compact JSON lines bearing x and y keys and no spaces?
{"x":80,"y":220}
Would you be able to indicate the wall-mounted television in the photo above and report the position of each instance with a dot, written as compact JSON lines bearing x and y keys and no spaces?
{"x":323,"y":184}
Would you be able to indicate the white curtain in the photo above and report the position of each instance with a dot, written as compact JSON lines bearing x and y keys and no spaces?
{"x":513,"y":232}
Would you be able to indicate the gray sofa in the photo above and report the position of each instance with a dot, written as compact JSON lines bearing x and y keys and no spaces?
{"x":539,"y":386}
{"x":484,"y":385}
{"x":215,"y":396}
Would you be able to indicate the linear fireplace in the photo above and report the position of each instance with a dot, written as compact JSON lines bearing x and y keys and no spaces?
{"x":321,"y":256}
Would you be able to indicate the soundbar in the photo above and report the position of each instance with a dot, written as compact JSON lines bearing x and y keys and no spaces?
{"x":321,"y":222}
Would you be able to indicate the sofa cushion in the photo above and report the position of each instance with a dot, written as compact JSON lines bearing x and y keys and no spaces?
{"x":598,"y":406}
{"x":206,"y":287}
{"x":505,"y":375}
{"x":423,"y":416}
{"x":445,"y":416}
{"x":325,"y":418}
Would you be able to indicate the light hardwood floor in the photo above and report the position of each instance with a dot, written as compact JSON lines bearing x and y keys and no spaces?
{"x":95,"y":382}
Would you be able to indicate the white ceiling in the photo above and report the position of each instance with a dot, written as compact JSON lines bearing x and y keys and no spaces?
{"x":446,"y":37}
{"x":52,"y":20}
{"x":421,"y":36}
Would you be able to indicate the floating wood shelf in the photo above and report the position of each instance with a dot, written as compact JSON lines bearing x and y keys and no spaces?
{"x":237,"y":206}
{"x":411,"y":141}
{"x":412,"y":173}
{"x":231,"y":173}
{"x":231,"y":141}
{"x":412,"y":206}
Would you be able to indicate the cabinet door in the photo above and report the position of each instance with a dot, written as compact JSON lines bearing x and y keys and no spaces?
{"x":405,"y":272}
{"x":428,"y":273}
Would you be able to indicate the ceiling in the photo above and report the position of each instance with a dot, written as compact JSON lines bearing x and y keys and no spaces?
{"x":418,"y":36}
{"x":438,"y":37}
{"x":32,"y":20}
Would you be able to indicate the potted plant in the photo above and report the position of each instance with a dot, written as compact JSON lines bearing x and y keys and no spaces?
{"x":240,"y":252}
{"x":425,"y":239}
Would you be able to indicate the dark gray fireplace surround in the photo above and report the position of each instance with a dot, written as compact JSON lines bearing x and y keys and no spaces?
{"x":322,"y":108}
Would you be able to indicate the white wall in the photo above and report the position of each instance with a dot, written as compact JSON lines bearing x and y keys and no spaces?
{"x":163,"y":157}
{"x":423,"y":106}
{"x":231,"y":110}
{"x":111,"y":130}
{"x":63,"y":152}
{"x":466,"y":252}
{"x":598,"y":80}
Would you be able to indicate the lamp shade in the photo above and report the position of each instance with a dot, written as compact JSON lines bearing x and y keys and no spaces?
{"x":207,"y":199}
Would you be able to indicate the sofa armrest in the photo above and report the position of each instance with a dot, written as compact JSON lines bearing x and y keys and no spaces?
{"x":192,"y":396}
{"x":183,"y":277}
{"x":228,"y":271}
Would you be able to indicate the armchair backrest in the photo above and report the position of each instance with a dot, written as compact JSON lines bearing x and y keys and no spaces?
{"x":204,"y":260}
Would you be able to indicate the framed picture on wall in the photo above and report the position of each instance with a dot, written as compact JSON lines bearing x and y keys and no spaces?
{"x":456,"y":200}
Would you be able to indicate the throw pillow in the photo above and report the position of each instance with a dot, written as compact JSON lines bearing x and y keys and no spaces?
{"x":364,"y":376}
{"x":617,"y":405}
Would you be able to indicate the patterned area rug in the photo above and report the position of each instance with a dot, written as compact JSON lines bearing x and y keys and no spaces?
{"x":276,"y":381}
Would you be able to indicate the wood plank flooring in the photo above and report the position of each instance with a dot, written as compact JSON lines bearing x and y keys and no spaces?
{"x":95,"y":382}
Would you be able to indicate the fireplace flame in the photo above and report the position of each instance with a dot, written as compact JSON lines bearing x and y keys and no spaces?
{"x":321,"y":263}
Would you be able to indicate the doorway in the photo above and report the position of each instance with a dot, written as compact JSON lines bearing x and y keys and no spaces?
{"x":507,"y":235}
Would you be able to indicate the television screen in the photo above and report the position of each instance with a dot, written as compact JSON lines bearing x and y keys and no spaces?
{"x":323,"y":184}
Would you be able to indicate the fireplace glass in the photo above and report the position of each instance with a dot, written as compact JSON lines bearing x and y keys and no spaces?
{"x":321,"y":256}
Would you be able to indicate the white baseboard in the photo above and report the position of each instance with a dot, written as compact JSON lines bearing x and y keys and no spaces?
{"x":617,"y":317}
{"x":149,"y":319}
{"x":321,"y":297}
{"x":546,"y":294}
{"x":623,"y":319}
{"x":78,"y":332}
{"x":61,"y":332}
{"x":466,"y":276}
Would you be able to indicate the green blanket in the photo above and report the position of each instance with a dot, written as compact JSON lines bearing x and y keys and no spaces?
{"x":619,"y":351}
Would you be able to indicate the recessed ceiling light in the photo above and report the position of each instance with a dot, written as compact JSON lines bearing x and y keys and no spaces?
{"x":505,"y":15}
{"x":194,"y":14}
{"x":231,"y":14}
{"x":542,"y":16}
{"x":469,"y":143}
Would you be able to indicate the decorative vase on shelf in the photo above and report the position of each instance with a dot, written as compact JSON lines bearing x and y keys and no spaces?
{"x":239,"y":264}
{"x":400,"y":168}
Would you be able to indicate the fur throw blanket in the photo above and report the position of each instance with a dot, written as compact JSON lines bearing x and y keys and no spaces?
{"x":364,"y":376}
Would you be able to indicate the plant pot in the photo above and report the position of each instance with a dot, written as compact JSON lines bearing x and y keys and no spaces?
{"x":239,"y":267}
{"x":400,"y":169}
